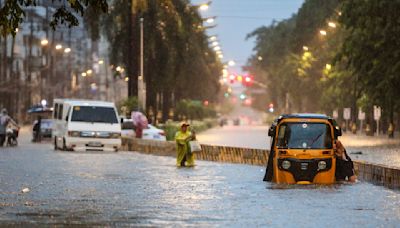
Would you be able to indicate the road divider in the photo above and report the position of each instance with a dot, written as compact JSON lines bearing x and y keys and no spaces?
{"x":368,"y":172}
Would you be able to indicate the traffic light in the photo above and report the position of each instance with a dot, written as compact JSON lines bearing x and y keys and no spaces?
{"x":248,"y":80}
{"x":232,"y":78}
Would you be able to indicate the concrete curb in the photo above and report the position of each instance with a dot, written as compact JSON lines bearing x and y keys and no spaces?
{"x":368,"y":172}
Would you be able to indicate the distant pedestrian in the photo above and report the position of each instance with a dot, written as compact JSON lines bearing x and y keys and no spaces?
{"x":37,"y":129}
{"x":5,"y":119}
{"x":184,"y":157}
{"x":344,"y":164}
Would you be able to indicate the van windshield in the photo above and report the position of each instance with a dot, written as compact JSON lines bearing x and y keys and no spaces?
{"x":94,"y":114}
{"x":304,"y":136}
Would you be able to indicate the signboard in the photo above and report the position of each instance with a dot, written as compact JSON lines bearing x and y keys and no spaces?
{"x":346,"y":113}
{"x":377,"y":112}
{"x":361,"y":114}
{"x":335,"y":114}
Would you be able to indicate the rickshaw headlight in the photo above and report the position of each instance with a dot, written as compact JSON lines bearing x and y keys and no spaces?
{"x":322,"y":165}
{"x":286,"y":164}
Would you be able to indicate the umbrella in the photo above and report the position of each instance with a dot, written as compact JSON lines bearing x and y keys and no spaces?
{"x":39,"y":109}
{"x":139,"y":120}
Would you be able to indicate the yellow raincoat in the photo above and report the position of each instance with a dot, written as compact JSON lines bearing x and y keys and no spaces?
{"x":183,"y":149}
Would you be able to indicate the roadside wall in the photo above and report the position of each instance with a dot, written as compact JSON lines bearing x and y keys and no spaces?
{"x":373,"y":173}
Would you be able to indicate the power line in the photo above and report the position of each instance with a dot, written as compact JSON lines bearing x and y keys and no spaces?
{"x":251,"y":18}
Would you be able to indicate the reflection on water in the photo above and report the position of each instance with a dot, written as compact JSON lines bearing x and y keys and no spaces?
{"x":133,"y":189}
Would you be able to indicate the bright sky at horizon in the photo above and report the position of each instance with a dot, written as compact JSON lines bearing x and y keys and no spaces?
{"x":237,"y":18}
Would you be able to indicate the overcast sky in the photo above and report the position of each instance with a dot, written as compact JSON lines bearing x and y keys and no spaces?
{"x":236,"y":18}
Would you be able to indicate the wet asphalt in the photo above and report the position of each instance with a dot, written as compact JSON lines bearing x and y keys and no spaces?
{"x":131,"y":189}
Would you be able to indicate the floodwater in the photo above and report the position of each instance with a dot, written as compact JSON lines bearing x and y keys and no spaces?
{"x":131,"y":189}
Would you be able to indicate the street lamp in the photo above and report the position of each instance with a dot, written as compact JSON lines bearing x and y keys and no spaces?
{"x":215,"y":43}
{"x":44,"y":42}
{"x":217,"y":48}
{"x":209,"y":20}
{"x":204,"y":7}
{"x":212,"y":38}
{"x":67,"y":50}
{"x":260,"y":58}
{"x":83,"y":74}
{"x":89,"y":72}
{"x":332,"y":24}
{"x":231,"y":63}
{"x":322,"y":32}
{"x":58,"y":46}
{"x":328,"y":66}
{"x":305,"y":48}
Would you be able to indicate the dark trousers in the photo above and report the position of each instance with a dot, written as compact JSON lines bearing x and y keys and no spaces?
{"x":2,"y":139}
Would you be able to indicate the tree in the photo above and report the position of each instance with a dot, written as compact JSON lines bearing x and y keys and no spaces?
{"x":372,"y":48}
{"x":12,"y":12}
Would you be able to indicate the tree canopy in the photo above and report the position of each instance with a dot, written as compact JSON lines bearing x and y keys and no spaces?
{"x":12,"y":12}
{"x":330,"y":55}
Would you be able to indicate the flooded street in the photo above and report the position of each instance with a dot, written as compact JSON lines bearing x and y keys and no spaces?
{"x":128,"y":188}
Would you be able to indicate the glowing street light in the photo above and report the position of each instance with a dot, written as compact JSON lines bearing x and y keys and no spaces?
{"x":305,"y":48}
{"x":210,"y":20}
{"x":44,"y":42}
{"x":101,"y":62}
{"x":212,"y":38}
{"x":322,"y":32}
{"x":260,"y":58}
{"x":217,"y":48}
{"x":67,"y":50}
{"x":89,"y":72}
{"x":231,"y":63}
{"x":204,"y":7}
{"x":328,"y":66}
{"x":84,"y":74}
{"x":332,"y":24}
{"x":118,"y":68}
{"x":214,"y":43}
{"x":126,"y":79}
{"x":58,"y":46}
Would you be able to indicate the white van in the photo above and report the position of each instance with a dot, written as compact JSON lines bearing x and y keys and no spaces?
{"x":86,"y":125}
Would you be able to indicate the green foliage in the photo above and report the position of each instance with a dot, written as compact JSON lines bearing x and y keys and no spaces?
{"x":130,"y":104}
{"x":355,"y":65}
{"x":171,"y":128}
{"x":176,"y":51}
{"x":192,"y":109}
{"x":12,"y":13}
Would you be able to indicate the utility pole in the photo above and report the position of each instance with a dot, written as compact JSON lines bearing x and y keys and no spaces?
{"x":141,"y":83}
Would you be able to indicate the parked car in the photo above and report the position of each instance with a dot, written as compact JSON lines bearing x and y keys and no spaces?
{"x":128,"y":128}
{"x":46,"y":126}
{"x":154,"y":133}
{"x":151,"y":132}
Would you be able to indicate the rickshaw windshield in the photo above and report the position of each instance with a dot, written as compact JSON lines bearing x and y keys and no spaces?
{"x":304,"y":136}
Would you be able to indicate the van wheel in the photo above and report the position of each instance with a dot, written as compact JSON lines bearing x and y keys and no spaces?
{"x":55,"y":143}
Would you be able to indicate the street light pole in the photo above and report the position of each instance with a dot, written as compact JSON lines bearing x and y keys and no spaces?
{"x":141,"y":83}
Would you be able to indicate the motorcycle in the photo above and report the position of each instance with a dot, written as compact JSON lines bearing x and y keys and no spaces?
{"x":12,"y":135}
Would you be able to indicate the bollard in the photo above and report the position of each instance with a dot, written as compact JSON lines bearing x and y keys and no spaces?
{"x":368,"y":130}
{"x":354,"y":128}
{"x":391,"y":131}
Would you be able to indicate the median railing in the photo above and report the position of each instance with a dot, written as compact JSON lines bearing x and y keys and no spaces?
{"x":373,"y":173}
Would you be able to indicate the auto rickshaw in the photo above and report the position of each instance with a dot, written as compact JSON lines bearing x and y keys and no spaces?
{"x":302,"y":149}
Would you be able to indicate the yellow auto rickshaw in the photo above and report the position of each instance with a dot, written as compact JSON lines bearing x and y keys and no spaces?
{"x":302,"y":149}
